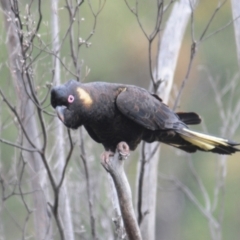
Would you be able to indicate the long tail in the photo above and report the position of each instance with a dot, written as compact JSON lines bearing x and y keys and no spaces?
{"x":199,"y":141}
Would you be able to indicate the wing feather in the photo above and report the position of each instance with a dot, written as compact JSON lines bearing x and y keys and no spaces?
{"x":145,"y":109}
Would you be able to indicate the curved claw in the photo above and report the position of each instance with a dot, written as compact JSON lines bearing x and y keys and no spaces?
{"x":105,"y":156}
{"x":123,"y":150}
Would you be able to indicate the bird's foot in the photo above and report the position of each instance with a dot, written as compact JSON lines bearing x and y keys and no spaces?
{"x":123,"y":150}
{"x":105,"y":156}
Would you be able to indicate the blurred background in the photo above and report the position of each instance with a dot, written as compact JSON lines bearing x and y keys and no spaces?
{"x":118,"y":52}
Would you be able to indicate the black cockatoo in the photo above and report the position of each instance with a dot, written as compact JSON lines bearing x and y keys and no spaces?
{"x":112,"y":113}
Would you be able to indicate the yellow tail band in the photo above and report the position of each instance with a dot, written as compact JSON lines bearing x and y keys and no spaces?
{"x":203,"y":141}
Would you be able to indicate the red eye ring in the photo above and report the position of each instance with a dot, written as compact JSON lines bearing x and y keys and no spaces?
{"x":70,"y":98}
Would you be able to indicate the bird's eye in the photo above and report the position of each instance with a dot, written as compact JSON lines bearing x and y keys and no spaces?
{"x":70,"y":98}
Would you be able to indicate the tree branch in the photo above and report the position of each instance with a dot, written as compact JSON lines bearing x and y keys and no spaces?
{"x":114,"y":166}
{"x":89,"y":190}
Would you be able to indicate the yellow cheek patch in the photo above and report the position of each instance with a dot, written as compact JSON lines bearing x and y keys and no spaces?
{"x":84,"y":97}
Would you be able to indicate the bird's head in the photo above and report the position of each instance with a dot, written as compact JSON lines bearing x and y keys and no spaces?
{"x":70,"y":101}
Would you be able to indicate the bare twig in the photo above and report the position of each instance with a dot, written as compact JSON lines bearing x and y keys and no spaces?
{"x":67,"y":159}
{"x":207,"y":213}
{"x":220,"y":29}
{"x":13,"y":109}
{"x":150,"y":37}
{"x":18,"y":146}
{"x":196,"y":43}
{"x":140,"y":185}
{"x":200,"y":184}
{"x":89,"y":191}
{"x":220,"y":5}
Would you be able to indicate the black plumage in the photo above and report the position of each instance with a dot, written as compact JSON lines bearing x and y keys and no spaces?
{"x":112,"y":113}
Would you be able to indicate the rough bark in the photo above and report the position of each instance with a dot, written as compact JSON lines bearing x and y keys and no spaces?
{"x":167,"y":58}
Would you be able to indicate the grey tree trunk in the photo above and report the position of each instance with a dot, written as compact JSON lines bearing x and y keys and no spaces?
{"x":64,"y":207}
{"x":1,"y":201}
{"x":27,"y":113}
{"x":236,"y":18}
{"x":167,"y":58}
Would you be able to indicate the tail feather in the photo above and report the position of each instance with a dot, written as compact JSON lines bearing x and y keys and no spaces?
{"x":189,"y":118}
{"x":206,"y":142}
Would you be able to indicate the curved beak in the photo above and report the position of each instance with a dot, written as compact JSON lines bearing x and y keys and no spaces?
{"x":60,"y":112}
